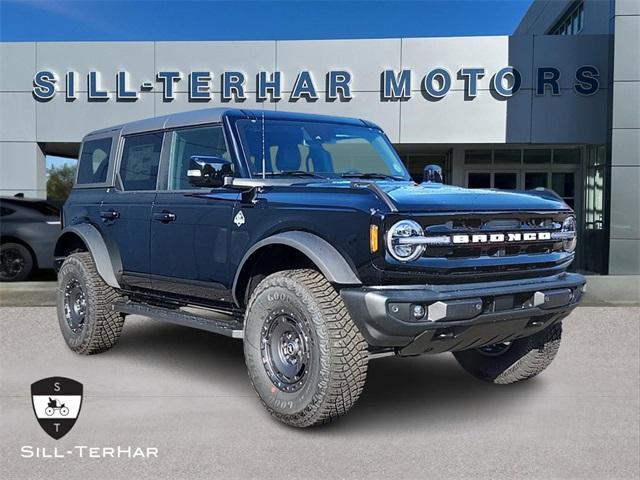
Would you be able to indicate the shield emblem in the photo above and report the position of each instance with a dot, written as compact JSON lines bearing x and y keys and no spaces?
{"x":56,"y":403}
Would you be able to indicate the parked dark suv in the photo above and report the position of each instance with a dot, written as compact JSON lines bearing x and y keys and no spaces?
{"x":305,"y":236}
{"x":29,"y":228}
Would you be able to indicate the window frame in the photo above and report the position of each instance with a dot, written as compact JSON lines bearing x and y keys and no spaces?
{"x":165,"y":157}
{"x":113,"y":151}
{"x":120,"y":153}
{"x":564,"y":25}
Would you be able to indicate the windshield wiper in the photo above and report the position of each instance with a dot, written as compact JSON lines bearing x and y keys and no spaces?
{"x":370,"y":175}
{"x":293,"y":173}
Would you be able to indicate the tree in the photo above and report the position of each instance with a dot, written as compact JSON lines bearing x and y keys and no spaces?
{"x":60,"y":181}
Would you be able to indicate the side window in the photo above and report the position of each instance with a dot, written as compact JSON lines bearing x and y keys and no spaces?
{"x":140,"y":160}
{"x":5,"y":211}
{"x":200,"y":141}
{"x":94,"y":161}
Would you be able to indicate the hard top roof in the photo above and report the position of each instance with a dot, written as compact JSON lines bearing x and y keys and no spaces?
{"x":213,"y":115}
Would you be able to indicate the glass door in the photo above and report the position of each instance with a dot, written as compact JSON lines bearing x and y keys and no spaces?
{"x":501,"y":180}
{"x":595,"y":231}
{"x":563,"y":183}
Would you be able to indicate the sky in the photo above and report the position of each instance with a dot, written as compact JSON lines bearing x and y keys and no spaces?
{"x":93,"y":20}
{"x":72,"y":20}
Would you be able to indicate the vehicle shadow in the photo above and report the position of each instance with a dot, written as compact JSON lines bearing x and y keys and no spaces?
{"x":418,"y":392}
{"x":200,"y":355}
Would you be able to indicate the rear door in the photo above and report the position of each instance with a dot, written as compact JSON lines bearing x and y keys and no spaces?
{"x":125,"y":211}
{"x":191,"y":226}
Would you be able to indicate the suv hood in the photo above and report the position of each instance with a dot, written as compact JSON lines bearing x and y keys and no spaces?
{"x":410,"y":197}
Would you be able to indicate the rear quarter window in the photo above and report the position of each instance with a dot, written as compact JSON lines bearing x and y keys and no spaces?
{"x":6,"y":211}
{"x":94,"y":161}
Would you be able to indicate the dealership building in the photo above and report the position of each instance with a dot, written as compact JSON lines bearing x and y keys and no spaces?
{"x":554,"y":105}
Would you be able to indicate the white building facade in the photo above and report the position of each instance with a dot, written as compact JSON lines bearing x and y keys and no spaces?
{"x":554,"y":105}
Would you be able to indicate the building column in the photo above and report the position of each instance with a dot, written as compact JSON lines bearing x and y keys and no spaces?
{"x":624,"y":247}
{"x":22,"y":169}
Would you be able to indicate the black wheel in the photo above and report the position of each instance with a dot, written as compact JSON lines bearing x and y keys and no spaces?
{"x":87,"y":321}
{"x":511,"y":362}
{"x":306,"y":358}
{"x":16,"y":262}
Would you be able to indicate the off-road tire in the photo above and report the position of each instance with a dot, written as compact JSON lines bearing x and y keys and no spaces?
{"x":28,"y":263}
{"x":102,"y":326}
{"x":525,"y":358}
{"x":337,"y":366}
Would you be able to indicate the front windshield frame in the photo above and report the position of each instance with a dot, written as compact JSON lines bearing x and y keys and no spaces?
{"x":396,"y":170}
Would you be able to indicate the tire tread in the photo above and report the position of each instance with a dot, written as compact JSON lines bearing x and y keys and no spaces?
{"x":348,"y":356}
{"x":107,"y":325}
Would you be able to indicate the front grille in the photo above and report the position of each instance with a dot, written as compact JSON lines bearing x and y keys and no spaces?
{"x":478,"y":259}
{"x":488,"y":224}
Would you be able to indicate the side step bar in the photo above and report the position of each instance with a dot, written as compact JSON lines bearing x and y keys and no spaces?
{"x":230,"y":328}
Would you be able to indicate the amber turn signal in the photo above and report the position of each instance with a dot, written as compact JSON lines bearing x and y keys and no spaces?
{"x":373,"y":238}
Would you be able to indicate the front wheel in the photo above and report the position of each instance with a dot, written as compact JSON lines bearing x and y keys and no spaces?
{"x":515,"y":361}
{"x":306,"y":358}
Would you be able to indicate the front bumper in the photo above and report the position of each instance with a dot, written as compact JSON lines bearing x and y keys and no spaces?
{"x":459,"y":317}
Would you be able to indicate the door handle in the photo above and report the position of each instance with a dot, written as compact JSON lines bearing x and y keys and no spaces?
{"x":164,"y":217}
{"x":109,"y":214}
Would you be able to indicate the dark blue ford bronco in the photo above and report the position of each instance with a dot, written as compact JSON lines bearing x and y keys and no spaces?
{"x":305,"y":236}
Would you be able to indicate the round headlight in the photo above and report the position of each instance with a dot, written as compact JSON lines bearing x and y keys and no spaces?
{"x":405,"y":252}
{"x":569,"y":225}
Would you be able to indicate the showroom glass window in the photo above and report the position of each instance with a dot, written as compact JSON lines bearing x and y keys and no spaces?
{"x":140,"y":161}
{"x":571,"y":23}
{"x":94,"y":161}
{"x":202,"y":141}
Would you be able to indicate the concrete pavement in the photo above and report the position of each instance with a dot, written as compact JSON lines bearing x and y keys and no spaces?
{"x":186,"y":392}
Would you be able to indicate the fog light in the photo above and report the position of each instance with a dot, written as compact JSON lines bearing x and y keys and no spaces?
{"x":418,"y":311}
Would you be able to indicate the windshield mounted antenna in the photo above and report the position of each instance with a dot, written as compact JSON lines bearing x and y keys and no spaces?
{"x":264,"y":158}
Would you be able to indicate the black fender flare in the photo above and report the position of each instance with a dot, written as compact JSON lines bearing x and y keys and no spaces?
{"x":329,"y":261}
{"x":107,"y":264}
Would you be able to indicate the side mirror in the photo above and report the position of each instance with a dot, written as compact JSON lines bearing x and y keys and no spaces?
{"x":432,"y":173}
{"x":208,"y":171}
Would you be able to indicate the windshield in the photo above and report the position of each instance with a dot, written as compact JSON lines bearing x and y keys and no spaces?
{"x":317,"y":149}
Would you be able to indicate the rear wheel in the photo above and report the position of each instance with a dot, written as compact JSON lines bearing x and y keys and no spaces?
{"x":87,"y":321}
{"x":16,"y":262}
{"x":511,"y":362}
{"x":306,"y":358}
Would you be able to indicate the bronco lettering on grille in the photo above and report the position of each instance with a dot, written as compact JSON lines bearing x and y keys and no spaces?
{"x":500,"y":237}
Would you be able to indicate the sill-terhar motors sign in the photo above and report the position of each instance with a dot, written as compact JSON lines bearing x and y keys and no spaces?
{"x":337,"y":85}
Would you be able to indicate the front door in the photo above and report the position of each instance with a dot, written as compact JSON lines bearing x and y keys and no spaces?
{"x":126,"y":213}
{"x":190,"y":227}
